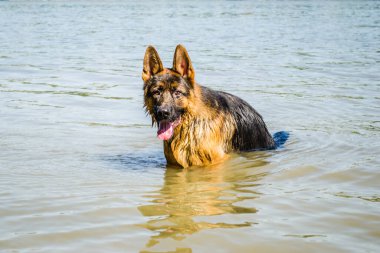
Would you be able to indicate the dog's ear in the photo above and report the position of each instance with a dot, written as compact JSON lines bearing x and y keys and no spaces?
{"x":182,"y":63}
{"x":152,"y":63}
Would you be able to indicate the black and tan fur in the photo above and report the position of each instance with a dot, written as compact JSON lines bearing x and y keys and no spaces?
{"x":211,"y":123}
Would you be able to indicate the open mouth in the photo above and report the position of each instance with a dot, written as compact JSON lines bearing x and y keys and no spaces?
{"x":166,"y":129}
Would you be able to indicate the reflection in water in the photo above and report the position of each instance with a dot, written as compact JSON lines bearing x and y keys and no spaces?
{"x":196,"y":192}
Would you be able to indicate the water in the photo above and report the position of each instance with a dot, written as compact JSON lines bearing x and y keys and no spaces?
{"x":82,"y":171}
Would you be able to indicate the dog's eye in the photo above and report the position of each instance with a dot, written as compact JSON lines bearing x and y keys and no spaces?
{"x":156,"y":92}
{"x":177,"y":93}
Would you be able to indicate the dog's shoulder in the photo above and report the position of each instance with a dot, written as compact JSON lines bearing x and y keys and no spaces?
{"x":251,"y":131}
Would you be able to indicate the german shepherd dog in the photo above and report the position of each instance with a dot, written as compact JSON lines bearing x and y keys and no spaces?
{"x":199,"y":126}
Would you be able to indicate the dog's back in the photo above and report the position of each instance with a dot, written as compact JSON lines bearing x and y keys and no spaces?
{"x":250,"y":132}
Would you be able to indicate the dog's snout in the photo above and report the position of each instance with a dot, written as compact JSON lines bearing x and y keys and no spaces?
{"x":163,"y":113}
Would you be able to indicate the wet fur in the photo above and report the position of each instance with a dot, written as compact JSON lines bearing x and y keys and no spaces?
{"x":213,"y":123}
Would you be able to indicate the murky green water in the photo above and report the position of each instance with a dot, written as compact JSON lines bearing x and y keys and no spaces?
{"x":82,"y":171}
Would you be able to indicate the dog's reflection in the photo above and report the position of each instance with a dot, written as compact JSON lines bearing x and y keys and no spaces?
{"x":201,"y":193}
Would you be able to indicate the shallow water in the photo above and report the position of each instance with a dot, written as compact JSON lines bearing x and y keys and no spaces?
{"x":82,"y":171}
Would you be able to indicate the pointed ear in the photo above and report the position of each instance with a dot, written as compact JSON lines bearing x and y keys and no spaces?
{"x":152,"y":63}
{"x":182,"y":63}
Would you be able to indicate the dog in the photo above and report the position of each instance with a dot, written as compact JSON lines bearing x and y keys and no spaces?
{"x":199,"y":126}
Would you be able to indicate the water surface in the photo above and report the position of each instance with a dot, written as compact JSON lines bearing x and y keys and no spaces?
{"x":81,"y":169}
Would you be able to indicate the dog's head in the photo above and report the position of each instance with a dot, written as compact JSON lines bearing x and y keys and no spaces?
{"x":167,"y":91}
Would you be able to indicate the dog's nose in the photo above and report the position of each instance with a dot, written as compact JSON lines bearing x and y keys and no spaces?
{"x":163,"y":113}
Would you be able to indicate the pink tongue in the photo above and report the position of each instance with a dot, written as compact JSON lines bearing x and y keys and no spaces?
{"x":165,"y":130}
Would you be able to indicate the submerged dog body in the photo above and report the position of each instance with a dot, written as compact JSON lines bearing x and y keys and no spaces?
{"x":199,"y":126}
